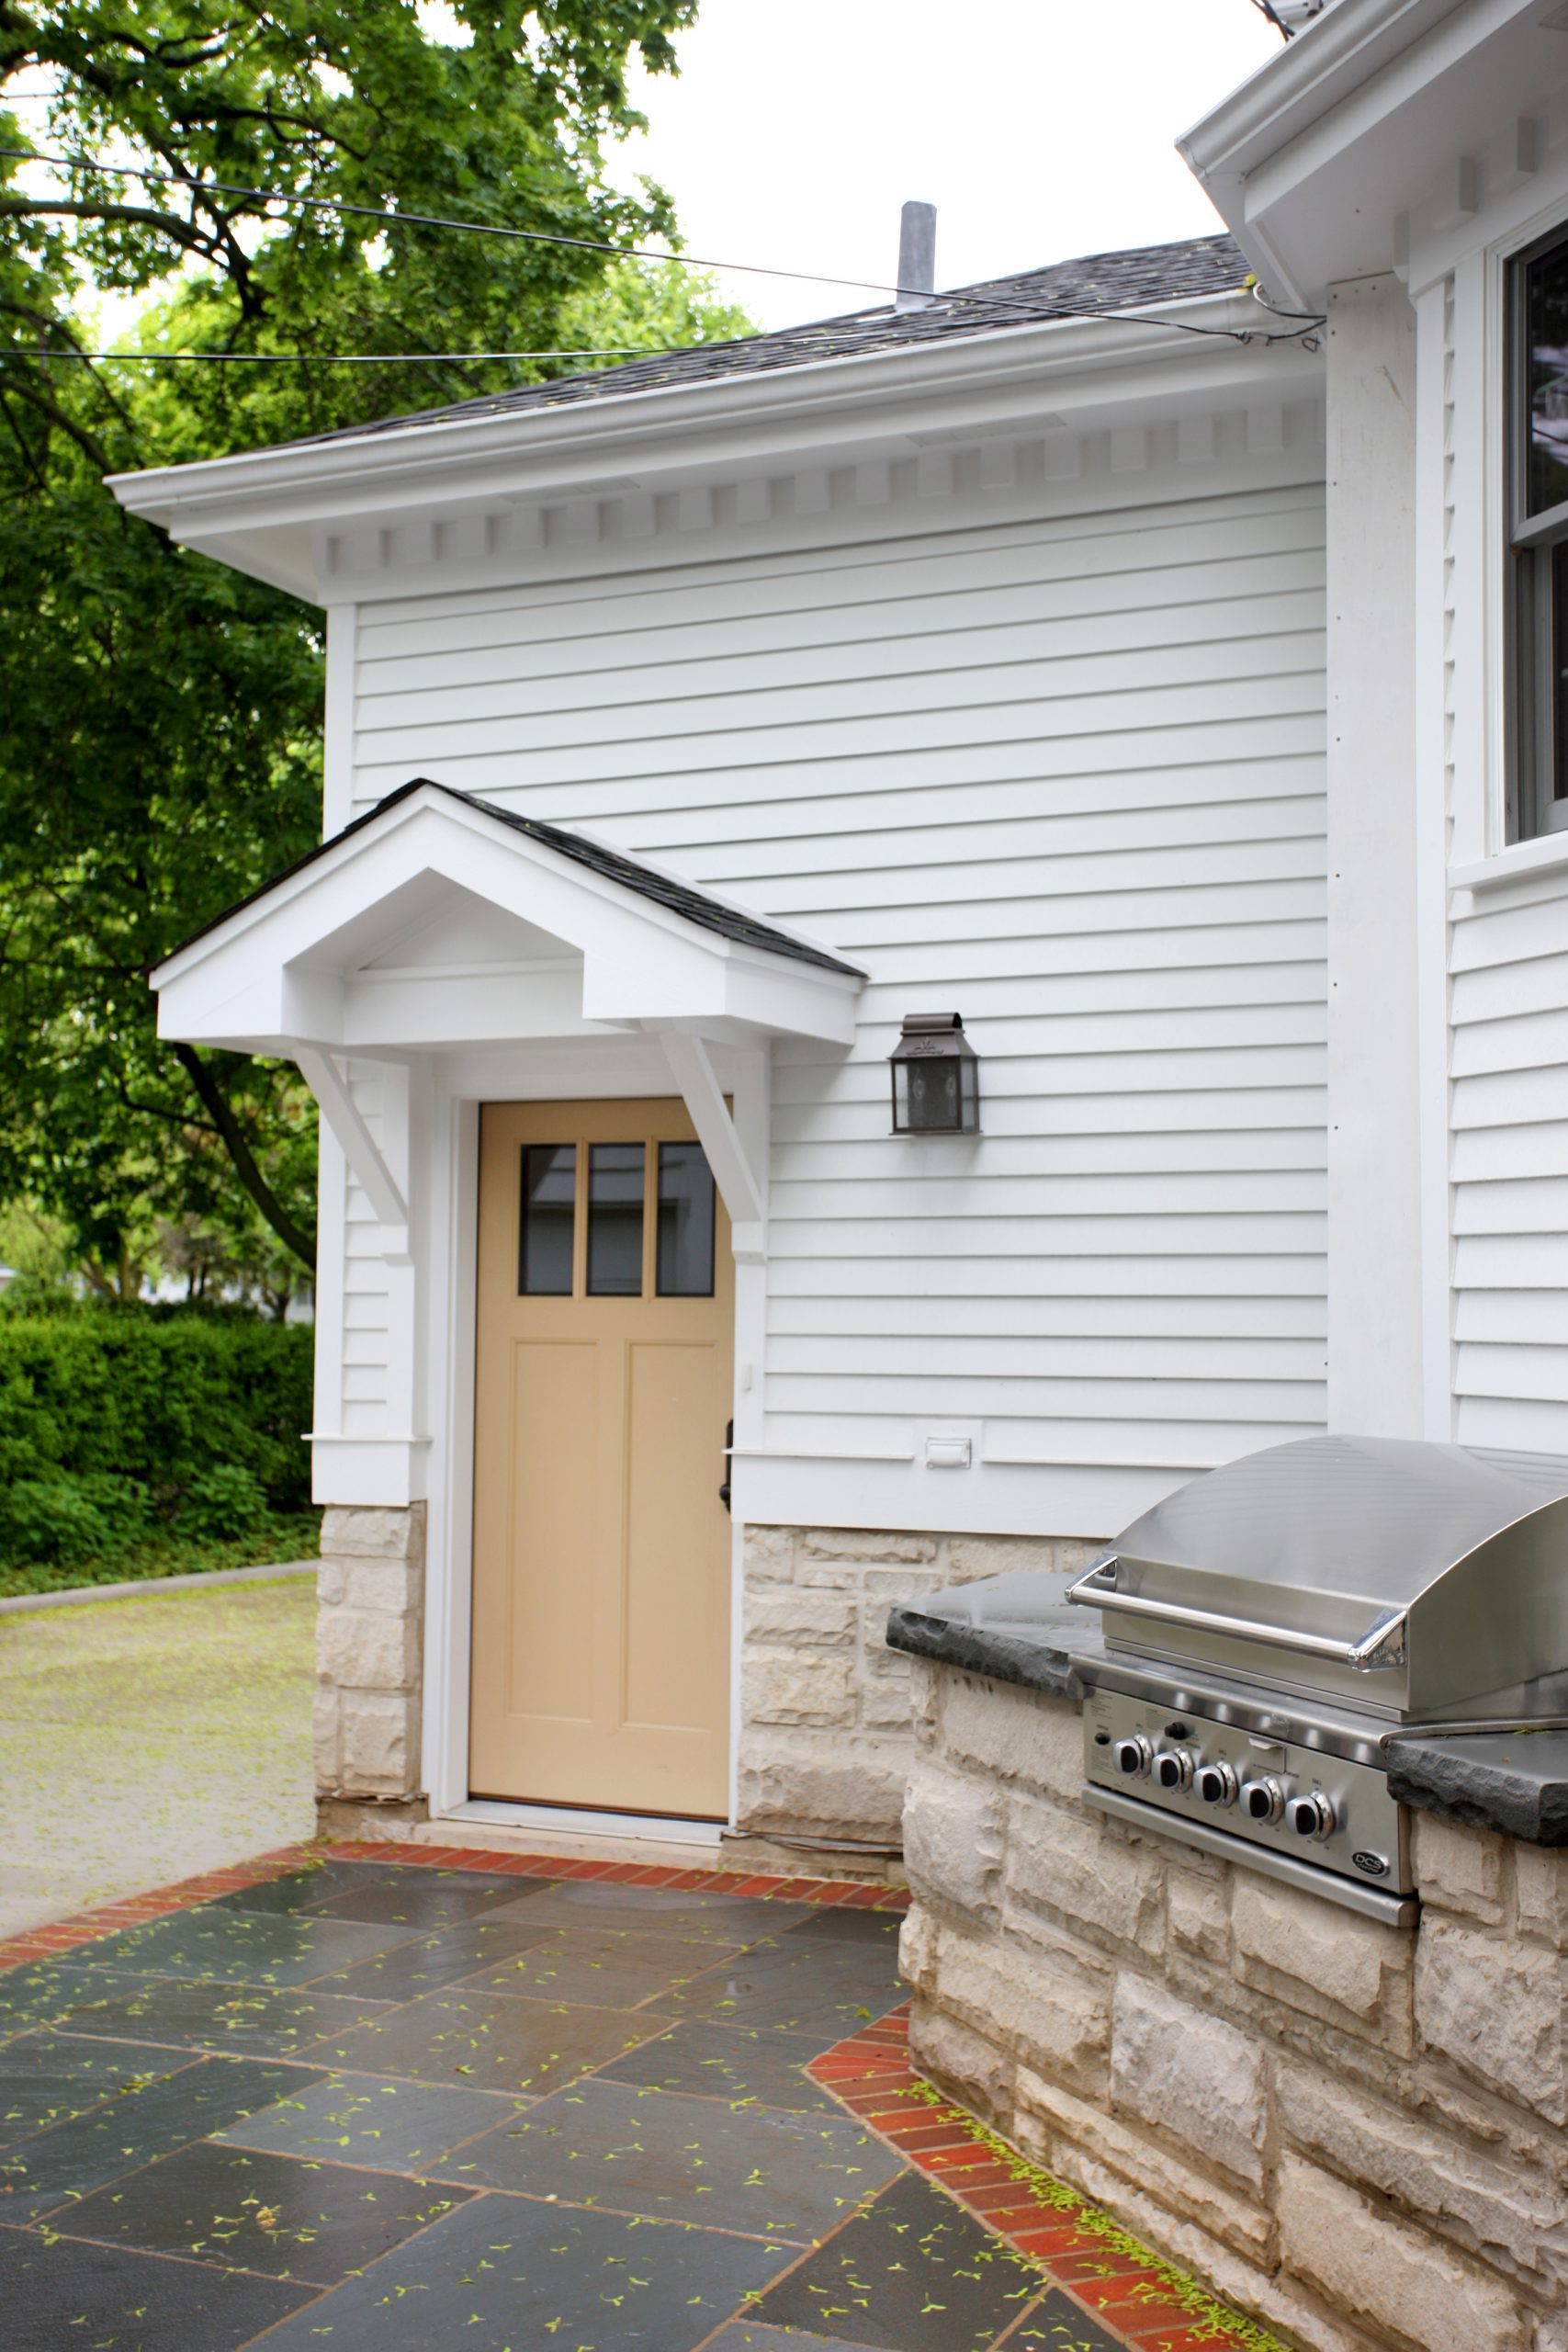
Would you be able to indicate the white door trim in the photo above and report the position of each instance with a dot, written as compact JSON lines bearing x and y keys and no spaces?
{"x":617,"y":1069}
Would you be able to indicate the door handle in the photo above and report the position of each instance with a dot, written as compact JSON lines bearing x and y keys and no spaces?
{"x":729,"y":1442}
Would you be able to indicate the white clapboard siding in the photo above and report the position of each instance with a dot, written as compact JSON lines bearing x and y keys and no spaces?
{"x":363,"y":1378}
{"x":1064,"y":776}
{"x":1509,"y":1169}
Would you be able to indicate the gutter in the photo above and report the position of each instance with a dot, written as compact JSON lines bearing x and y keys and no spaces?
{"x":1334,"y":56}
{"x":1040,"y":350}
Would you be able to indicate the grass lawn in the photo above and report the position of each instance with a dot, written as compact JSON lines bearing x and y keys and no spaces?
{"x":145,"y":1739}
{"x":281,"y":1537}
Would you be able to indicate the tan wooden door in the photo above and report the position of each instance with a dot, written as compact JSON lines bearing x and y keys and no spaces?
{"x":602,"y":1555}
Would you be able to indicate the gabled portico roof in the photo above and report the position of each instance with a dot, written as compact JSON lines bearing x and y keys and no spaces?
{"x":437,"y":918}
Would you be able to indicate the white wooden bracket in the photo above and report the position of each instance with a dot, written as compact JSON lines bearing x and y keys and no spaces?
{"x":741,"y":1186}
{"x":326,"y":1081}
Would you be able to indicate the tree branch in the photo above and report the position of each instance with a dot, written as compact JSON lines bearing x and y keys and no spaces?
{"x":212,"y":1099}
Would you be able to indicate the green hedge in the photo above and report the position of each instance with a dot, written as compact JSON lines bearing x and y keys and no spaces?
{"x":163,"y":1402}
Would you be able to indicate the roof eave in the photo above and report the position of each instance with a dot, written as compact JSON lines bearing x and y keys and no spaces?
{"x":1315,"y":161}
{"x":327,"y":475}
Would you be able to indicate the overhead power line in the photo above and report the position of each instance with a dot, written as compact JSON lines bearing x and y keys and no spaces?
{"x":329,"y":359}
{"x":168,"y":176}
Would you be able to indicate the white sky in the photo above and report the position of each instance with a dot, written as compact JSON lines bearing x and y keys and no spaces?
{"x":1040,"y":128}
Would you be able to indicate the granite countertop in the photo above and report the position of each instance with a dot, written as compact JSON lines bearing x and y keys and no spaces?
{"x":1021,"y":1628}
{"x":1018,"y":1628}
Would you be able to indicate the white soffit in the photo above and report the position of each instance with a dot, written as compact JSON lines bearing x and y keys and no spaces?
{"x":272,"y":512}
{"x":438,"y":921}
{"x":1379,"y":111}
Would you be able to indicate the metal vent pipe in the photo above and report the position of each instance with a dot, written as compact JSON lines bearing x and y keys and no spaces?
{"x":917,"y":257}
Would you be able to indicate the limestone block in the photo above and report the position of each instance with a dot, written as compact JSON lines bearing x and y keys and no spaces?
{"x":917,"y":1949}
{"x":867,"y":1543}
{"x":1198,"y":1913}
{"x":1494,"y":2006}
{"x":926,"y":1679}
{"x":363,"y":1649}
{"x":329,"y":1583}
{"x":843,"y":1789}
{"x":769,"y":1554}
{"x":998,"y":1556}
{"x":885,"y":1704}
{"x":1195,"y":2077}
{"x":886,"y":1588}
{"x":1498,"y":2209}
{"x":1260,"y":2292}
{"x":953,"y":1840}
{"x":1541,"y":1891}
{"x":1381,"y":2271}
{"x":356,"y":1528}
{"x":1077,"y":1552}
{"x":805,"y":1620}
{"x":1045,"y":2007}
{"x":1457,"y":1868}
{"x":1079,"y":1866}
{"x":1063,"y":2131}
{"x":381,"y":1744}
{"x":396,"y":1585}
{"x":326,"y":1753}
{"x":785,"y":1687}
{"x":1322,"y":1957}
{"x":964,"y":2061}
{"x":1021,"y":1736}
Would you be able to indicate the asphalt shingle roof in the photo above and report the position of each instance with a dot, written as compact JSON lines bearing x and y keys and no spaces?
{"x":643,"y":881}
{"x":1098,"y":284}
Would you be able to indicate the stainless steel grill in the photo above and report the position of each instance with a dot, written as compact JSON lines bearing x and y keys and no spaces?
{"x":1269,"y":1626}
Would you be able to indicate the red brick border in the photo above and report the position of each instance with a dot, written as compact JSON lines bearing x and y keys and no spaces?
{"x":871,"y":2075}
{"x":61,"y":1936}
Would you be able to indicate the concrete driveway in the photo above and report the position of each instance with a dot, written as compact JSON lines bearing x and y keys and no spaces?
{"x":147,"y":1739}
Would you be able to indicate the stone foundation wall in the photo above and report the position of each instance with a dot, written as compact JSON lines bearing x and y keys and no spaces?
{"x":369,"y":1651}
{"x":1353,"y":2132}
{"x":826,"y":1739}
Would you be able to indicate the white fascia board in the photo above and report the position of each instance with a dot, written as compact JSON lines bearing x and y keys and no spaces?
{"x":252,"y":975}
{"x":1329,"y":58}
{"x":257,"y":510}
{"x":1314,"y":161}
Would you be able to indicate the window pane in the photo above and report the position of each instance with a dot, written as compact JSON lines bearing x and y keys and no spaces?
{"x":615,"y":1219}
{"x":549,"y":1200}
{"x":1557,"y":786}
{"x":1546,"y":334}
{"x":686,"y":1222}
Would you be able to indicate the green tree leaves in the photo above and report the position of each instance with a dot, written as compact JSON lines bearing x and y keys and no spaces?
{"x":160,"y":715}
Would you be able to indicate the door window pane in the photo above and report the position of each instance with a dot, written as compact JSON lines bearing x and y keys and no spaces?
{"x":1546,"y":334}
{"x":686,"y":1222}
{"x":549,"y":1215}
{"x":615,"y":1219}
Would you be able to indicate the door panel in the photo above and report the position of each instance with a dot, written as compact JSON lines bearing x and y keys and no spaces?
{"x":601,"y":1646}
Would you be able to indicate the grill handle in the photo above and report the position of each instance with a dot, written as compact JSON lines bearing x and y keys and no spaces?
{"x":1380,"y":1647}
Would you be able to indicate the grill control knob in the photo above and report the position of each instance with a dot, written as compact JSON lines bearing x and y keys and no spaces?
{"x":1262,"y":1800}
{"x":1215,"y":1783}
{"x":1173,"y":1767}
{"x":1133,"y":1757}
{"x":1311,"y":1816}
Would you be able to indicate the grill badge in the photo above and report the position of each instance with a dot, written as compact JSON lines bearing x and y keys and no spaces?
{"x":1375,"y":1865}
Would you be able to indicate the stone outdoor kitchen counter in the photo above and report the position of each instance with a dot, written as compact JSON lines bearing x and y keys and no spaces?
{"x":1022,"y":1629}
{"x":1352,"y":2130}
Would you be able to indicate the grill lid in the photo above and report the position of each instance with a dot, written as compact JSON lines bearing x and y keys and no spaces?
{"x":1336,"y":1564}
{"x":1371,"y":1521}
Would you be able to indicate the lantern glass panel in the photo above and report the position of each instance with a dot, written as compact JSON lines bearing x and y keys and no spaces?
{"x":935,"y":1101}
